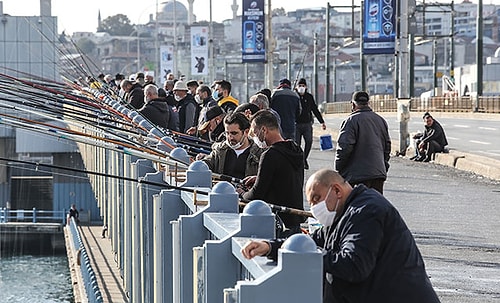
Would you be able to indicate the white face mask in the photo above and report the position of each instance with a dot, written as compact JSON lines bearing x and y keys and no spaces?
{"x":237,"y":145}
{"x":301,"y":89}
{"x":321,"y":212}
{"x":260,"y":143}
{"x":177,"y":98}
{"x":198,"y":99}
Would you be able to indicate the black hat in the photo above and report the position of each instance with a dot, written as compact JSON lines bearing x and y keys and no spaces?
{"x":285,"y":81}
{"x":302,"y":81}
{"x":426,"y":115}
{"x":243,"y":107}
{"x":139,"y":75}
{"x":119,"y":76}
{"x":360,"y":97}
{"x":211,"y":113}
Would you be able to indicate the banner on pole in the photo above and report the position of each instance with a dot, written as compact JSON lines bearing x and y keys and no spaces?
{"x":253,"y":34}
{"x":166,"y":61}
{"x":379,"y":33}
{"x":199,"y":50}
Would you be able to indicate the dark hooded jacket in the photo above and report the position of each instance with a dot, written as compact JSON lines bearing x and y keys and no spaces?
{"x":370,"y":254}
{"x":280,"y":179}
{"x":136,"y":96}
{"x":156,"y":111}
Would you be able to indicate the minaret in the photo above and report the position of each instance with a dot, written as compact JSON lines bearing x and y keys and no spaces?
{"x":190,"y":12}
{"x":99,"y":19}
{"x":234,"y":8}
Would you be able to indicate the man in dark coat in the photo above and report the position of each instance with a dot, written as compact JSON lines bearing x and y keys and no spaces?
{"x":305,"y":119}
{"x":134,"y":94}
{"x":286,"y":103}
{"x":155,"y":109}
{"x":369,"y":254}
{"x":280,"y":176}
{"x":432,"y":141}
{"x":363,"y":145}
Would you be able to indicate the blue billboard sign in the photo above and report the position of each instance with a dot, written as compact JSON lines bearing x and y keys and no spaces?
{"x":253,"y":45}
{"x":379,"y":28}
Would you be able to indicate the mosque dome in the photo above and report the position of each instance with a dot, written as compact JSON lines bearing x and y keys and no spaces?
{"x":168,"y":9}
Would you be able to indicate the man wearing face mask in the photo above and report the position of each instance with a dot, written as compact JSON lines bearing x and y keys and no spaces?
{"x":222,"y":94}
{"x":305,"y":119}
{"x":280,"y":177}
{"x":369,"y":254}
{"x":204,"y":98}
{"x":186,"y":106}
{"x":237,"y":156}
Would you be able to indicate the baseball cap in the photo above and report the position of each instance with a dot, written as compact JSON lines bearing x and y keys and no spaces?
{"x":211,"y":113}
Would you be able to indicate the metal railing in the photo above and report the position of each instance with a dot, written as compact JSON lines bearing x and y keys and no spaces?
{"x":490,"y":104}
{"x":34,"y":215}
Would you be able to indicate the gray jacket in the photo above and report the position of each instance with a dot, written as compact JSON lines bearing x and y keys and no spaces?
{"x":363,"y":147}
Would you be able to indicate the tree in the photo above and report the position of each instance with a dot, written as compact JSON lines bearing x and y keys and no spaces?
{"x":279,"y":12}
{"x":86,"y":45}
{"x":117,"y":25}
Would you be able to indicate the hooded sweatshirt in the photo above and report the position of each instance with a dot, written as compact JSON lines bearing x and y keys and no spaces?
{"x":157,"y":112}
{"x":280,"y":179}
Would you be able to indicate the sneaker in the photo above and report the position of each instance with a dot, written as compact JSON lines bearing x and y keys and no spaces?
{"x":419,"y":159}
{"x":414,"y":157}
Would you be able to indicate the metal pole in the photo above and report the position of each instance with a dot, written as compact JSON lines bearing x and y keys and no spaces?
{"x":452,"y":44}
{"x":138,"y":51}
{"x":246,"y":81}
{"x":362,"y":60}
{"x":289,"y":60}
{"x":315,"y":65}
{"x":157,"y":52}
{"x":334,"y":78}
{"x":434,"y":66}
{"x":270,"y":46}
{"x":327,"y":53}
{"x":211,"y":77}
{"x":479,"y":51}
{"x":412,"y":67}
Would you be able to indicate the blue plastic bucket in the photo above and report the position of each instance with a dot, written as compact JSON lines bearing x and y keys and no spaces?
{"x":325,"y":142}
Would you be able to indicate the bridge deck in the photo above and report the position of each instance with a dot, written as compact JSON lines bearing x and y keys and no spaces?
{"x":106,"y":270}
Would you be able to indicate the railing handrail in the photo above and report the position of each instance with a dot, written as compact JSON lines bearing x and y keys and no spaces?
{"x":34,"y":215}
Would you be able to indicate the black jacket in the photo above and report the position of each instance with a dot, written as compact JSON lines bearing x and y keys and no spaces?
{"x":363,"y":147}
{"x":435,"y":132}
{"x":370,"y":254}
{"x":286,"y":102}
{"x":280,"y":179}
{"x":136,"y":96}
{"x":157,"y":112}
{"x":309,"y":107}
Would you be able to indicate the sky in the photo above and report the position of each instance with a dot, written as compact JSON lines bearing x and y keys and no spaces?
{"x":81,"y":15}
{"x":78,"y":15}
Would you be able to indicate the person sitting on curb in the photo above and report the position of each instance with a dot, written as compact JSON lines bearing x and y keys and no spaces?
{"x":432,"y":141}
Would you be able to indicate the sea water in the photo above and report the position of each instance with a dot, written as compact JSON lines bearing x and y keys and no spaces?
{"x":35,"y":279}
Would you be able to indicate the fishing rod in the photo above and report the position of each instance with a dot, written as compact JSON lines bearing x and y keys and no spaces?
{"x":107,"y":146}
{"x":243,"y":202}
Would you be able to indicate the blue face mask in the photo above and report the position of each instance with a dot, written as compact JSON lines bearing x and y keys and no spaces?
{"x":215,"y":94}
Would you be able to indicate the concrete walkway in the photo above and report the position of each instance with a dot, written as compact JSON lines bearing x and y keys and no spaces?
{"x":105,"y":268}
